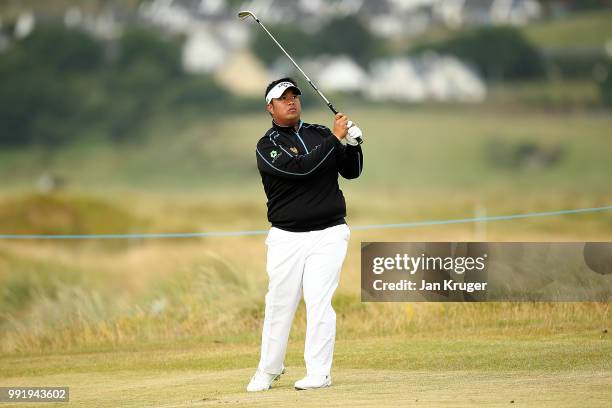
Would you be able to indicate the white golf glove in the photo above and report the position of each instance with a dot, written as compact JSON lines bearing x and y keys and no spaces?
{"x":354,"y":133}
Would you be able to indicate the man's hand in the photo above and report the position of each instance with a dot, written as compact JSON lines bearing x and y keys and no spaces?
{"x":341,"y":126}
{"x":354,"y":133}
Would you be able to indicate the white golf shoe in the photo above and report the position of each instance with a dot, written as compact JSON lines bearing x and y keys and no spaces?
{"x":313,"y":381}
{"x":262,"y":381}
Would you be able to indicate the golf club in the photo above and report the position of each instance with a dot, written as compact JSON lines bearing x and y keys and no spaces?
{"x":246,"y":14}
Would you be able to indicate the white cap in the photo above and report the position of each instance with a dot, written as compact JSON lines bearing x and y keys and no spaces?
{"x":278,"y":90}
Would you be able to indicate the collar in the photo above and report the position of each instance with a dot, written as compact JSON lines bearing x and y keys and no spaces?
{"x":279,"y":127}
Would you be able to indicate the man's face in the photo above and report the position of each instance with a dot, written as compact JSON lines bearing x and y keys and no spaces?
{"x":286,"y":109}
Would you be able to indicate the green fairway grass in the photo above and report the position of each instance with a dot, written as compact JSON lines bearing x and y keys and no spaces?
{"x":459,"y":368}
{"x":439,"y":149}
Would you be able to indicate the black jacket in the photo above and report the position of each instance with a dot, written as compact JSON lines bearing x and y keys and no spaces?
{"x":299,"y":171}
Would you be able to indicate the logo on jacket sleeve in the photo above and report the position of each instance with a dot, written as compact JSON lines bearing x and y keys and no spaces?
{"x":274,"y":155}
{"x":294,"y":150}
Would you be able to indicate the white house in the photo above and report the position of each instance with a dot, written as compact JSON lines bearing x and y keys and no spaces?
{"x":426,"y":78}
{"x":395,"y":80}
{"x":341,"y":74}
{"x":203,"y":52}
{"x":243,"y":74}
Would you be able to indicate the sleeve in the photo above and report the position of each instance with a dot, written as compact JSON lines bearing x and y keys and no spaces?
{"x":276,"y":160}
{"x":350,"y":161}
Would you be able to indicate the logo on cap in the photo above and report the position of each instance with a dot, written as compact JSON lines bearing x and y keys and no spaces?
{"x":278,"y":90}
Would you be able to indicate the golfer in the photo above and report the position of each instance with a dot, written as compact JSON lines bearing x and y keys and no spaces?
{"x":299,"y":165}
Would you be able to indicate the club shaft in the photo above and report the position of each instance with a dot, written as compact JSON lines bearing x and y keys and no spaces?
{"x":329,"y":105}
{"x":245,"y":14}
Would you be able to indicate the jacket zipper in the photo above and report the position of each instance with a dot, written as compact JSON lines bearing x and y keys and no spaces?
{"x":303,"y":144}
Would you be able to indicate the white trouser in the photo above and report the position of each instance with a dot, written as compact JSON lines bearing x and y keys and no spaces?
{"x":310,"y":261}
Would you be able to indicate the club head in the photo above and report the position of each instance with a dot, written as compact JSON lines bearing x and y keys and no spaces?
{"x":246,"y":14}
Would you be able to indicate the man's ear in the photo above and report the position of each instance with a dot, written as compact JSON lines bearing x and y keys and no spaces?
{"x":270,"y":108}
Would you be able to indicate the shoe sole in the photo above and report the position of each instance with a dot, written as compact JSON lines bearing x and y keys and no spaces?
{"x":314,"y":388}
